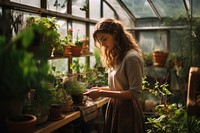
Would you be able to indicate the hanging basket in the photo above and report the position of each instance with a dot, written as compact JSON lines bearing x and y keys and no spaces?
{"x":160,"y":58}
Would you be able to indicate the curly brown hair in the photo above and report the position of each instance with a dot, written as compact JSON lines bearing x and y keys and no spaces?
{"x":123,"y":40}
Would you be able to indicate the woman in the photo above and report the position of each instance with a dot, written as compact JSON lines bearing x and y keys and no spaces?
{"x":122,"y":55}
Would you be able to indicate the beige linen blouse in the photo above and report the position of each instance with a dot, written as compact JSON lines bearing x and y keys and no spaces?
{"x":128,"y":74}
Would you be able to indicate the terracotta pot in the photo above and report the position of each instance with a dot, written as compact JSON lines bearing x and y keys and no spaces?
{"x":76,"y":50}
{"x":67,"y":51}
{"x":160,"y":58}
{"x":67,"y":107}
{"x":21,"y":124}
{"x":56,"y":112}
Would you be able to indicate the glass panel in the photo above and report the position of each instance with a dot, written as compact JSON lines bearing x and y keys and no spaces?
{"x":170,"y":8}
{"x":62,"y":27}
{"x":78,"y":30}
{"x":35,"y":3}
{"x":196,"y":8}
{"x":178,"y":39}
{"x":19,"y":20}
{"x":60,"y":64}
{"x":107,"y":12}
{"x":0,"y":11}
{"x":95,"y":9}
{"x":153,"y":40}
{"x":57,"y":5}
{"x":123,"y":16}
{"x":77,"y":6}
{"x":92,"y":47}
{"x":140,"y":8}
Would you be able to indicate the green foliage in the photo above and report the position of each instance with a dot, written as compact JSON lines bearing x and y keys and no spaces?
{"x":148,"y":58}
{"x":40,"y":104}
{"x":172,"y":119}
{"x":76,"y":66}
{"x":97,"y":58}
{"x":20,"y":70}
{"x":56,"y":86}
{"x":95,"y":77}
{"x":159,"y":90}
{"x":57,"y":95}
{"x":46,"y":32}
{"x":78,"y":41}
{"x":73,"y":87}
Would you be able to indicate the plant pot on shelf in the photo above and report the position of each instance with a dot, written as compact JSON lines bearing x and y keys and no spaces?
{"x":67,"y":50}
{"x":56,"y":112}
{"x":67,"y":107}
{"x":76,"y":50}
{"x":77,"y":99}
{"x":21,"y":124}
{"x":160,"y":58}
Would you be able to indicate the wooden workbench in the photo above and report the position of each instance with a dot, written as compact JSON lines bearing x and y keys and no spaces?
{"x":51,"y":126}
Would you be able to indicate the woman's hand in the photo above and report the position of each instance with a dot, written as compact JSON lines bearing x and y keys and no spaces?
{"x":93,"y":93}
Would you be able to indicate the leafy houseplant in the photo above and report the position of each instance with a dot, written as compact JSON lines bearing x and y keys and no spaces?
{"x":160,"y":90}
{"x":46,"y":33}
{"x":75,"y":89}
{"x":67,"y":42}
{"x":77,"y":45}
{"x":172,"y":119}
{"x":21,"y":71}
{"x":148,"y":58}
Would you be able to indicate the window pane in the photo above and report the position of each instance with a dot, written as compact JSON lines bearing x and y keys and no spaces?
{"x":92,"y":47}
{"x":107,"y":12}
{"x":19,"y":20}
{"x":0,"y":11}
{"x":78,"y":30}
{"x":77,"y":5}
{"x":122,"y":15}
{"x":95,"y":9}
{"x":196,"y":8}
{"x":35,"y":3}
{"x":60,"y":64}
{"x":62,"y":27}
{"x":179,"y":39}
{"x":57,"y":5}
{"x":167,"y":8}
{"x":150,"y":41}
{"x":140,"y":8}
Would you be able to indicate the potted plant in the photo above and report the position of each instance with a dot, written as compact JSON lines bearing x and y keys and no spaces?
{"x":57,"y":95}
{"x":76,"y":89}
{"x":77,"y":45}
{"x":67,"y":42}
{"x":21,"y":71}
{"x":46,"y":34}
{"x":148,"y":58}
{"x":172,"y":118}
{"x":57,"y":103}
{"x":160,"y":57}
{"x":39,"y":102}
{"x":153,"y":94}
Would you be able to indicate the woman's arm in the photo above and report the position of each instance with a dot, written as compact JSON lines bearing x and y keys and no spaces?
{"x":97,"y":92}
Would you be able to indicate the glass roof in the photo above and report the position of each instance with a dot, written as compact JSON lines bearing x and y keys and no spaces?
{"x":140,"y":8}
{"x":161,"y":8}
{"x":170,"y":8}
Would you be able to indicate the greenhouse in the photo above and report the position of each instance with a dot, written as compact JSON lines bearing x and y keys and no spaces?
{"x":100,"y":66}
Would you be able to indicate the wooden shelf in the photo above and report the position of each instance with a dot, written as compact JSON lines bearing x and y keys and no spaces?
{"x":71,"y":56}
{"x":101,"y":102}
{"x":51,"y":126}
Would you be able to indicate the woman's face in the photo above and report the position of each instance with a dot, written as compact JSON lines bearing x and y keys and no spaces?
{"x":106,"y":40}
